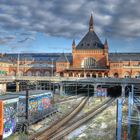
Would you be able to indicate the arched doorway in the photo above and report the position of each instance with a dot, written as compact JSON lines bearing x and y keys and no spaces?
{"x":47,"y":73}
{"x":127,"y":75}
{"x":94,"y":75}
{"x":99,"y":75}
{"x":88,"y":75}
{"x":70,"y":74}
{"x":137,"y":75}
{"x":29,"y":73}
{"x":82,"y":75}
{"x":105,"y":75}
{"x":37,"y":73}
{"x":76,"y":75}
{"x":116,"y":75}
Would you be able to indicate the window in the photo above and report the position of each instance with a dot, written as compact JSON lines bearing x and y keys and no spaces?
{"x":125,"y":64}
{"x":88,"y":63}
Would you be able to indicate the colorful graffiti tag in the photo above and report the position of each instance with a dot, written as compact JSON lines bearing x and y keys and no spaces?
{"x":101,"y":92}
{"x":10,"y":111}
{"x":36,"y":105}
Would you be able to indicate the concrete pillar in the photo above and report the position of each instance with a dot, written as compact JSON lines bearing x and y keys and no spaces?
{"x":79,"y":75}
{"x":17,"y":86}
{"x":73,"y":74}
{"x":102,"y":75}
{"x":95,"y":88}
{"x":36,"y":86}
{"x":84,"y":74}
{"x":123,"y":90}
{"x":61,"y":89}
{"x":96,"y":75}
{"x":90,"y":74}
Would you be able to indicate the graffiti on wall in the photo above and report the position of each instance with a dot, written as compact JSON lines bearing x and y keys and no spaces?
{"x":36,"y":105}
{"x":39,"y":104}
{"x":101,"y":92}
{"x":21,"y":107}
{"x":46,"y":103}
{"x":10,"y":111}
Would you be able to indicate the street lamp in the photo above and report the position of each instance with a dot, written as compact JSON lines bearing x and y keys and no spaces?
{"x":18,"y":64}
{"x":52,"y":68}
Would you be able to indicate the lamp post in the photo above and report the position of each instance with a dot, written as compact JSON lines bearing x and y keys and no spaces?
{"x":52,"y":68}
{"x":18,"y":65}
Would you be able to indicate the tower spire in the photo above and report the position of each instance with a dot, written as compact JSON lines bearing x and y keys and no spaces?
{"x":73,"y":44}
{"x":91,"y":24}
{"x":106,"y":44}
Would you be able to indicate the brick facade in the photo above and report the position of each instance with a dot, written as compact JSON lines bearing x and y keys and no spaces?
{"x":105,"y":66}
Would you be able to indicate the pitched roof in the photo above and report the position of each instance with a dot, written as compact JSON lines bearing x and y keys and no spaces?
{"x":116,"y":57}
{"x":90,"y":41}
{"x":62,"y":58}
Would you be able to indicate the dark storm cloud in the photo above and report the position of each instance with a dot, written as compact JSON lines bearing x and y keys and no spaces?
{"x":70,"y":18}
{"x":7,"y":39}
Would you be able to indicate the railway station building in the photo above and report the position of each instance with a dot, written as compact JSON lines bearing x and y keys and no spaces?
{"x":89,"y":58}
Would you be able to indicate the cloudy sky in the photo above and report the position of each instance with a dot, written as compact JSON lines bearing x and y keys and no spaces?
{"x":51,"y":25}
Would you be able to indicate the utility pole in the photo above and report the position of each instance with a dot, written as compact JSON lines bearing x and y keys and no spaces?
{"x":18,"y":65}
{"x":27,"y":106}
{"x":88,"y":94}
{"x":52,"y":67}
{"x":76,"y":89}
{"x":130,"y":104}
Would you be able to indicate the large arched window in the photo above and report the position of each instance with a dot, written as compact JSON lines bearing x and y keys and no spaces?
{"x":88,"y":63}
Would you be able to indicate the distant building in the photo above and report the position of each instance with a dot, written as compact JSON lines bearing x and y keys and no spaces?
{"x":90,"y":58}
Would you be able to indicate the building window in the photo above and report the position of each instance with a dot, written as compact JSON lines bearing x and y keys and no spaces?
{"x":116,"y":65}
{"x":88,"y":63}
{"x":125,"y":64}
{"x":61,"y":65}
{"x":135,"y":65}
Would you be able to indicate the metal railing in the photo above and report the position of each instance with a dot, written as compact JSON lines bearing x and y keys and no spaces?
{"x":77,"y":79}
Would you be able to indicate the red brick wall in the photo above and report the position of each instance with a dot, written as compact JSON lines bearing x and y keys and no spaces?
{"x":60,"y":66}
{"x":99,"y":55}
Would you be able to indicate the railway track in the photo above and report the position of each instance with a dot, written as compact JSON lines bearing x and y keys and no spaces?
{"x":72,"y":125}
{"x":67,"y":99}
{"x":56,"y":125}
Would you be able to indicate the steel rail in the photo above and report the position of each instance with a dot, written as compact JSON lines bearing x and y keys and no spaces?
{"x":79,"y":121}
{"x":55,"y":126}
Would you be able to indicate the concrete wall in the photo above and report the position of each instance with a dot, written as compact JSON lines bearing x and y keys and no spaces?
{"x":3,"y":88}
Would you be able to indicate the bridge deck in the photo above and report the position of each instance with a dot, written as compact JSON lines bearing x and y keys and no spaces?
{"x":6,"y":79}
